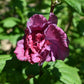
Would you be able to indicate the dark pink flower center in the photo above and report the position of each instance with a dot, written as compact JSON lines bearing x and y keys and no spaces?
{"x":37,"y":47}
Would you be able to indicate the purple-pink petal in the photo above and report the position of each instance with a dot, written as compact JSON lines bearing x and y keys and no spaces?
{"x":19,"y":51}
{"x":36,"y":22}
{"x":59,"y":40}
{"x":52,"y":19}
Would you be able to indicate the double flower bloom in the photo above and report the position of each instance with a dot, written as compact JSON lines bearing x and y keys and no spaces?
{"x":43,"y":41}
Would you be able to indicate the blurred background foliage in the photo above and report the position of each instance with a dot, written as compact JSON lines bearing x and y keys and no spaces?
{"x":13,"y":18}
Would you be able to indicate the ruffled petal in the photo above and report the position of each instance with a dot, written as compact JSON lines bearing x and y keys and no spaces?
{"x":35,"y":58}
{"x":59,"y":40}
{"x":52,"y":19}
{"x":48,"y":58}
{"x":36,"y":22}
{"x":19,"y":51}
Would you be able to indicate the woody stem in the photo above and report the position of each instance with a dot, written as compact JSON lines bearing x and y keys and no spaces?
{"x":52,"y":6}
{"x":53,"y":3}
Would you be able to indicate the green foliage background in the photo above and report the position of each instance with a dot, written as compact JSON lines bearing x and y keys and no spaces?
{"x":13,"y":18}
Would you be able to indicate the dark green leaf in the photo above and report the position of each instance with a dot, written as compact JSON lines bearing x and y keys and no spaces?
{"x":3,"y":59}
{"x":80,"y":27}
{"x":59,"y":71}
{"x":32,"y":69}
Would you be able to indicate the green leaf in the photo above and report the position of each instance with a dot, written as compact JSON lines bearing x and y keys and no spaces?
{"x":10,"y":22}
{"x":3,"y":59}
{"x":44,"y":64}
{"x":60,"y":72}
{"x":21,"y":9}
{"x":75,"y":4}
{"x":32,"y":70}
{"x":80,"y":27}
{"x":12,"y":38}
{"x":1,"y":29}
{"x":31,"y":81}
{"x":79,"y":41}
{"x":69,"y":75}
{"x":2,"y":37}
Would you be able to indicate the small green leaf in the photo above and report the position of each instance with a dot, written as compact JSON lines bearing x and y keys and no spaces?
{"x":31,"y":81}
{"x":1,"y":29}
{"x":79,"y":41}
{"x":44,"y":64}
{"x":2,"y":37}
{"x":3,"y":59}
{"x":75,"y":4}
{"x":10,"y":22}
{"x":12,"y":38}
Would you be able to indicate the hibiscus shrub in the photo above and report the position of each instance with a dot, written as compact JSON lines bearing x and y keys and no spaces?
{"x":41,"y":47}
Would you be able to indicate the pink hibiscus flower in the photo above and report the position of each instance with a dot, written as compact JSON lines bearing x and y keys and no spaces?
{"x":43,"y":41}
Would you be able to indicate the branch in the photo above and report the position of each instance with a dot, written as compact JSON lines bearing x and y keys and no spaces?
{"x":52,"y":6}
{"x":69,"y":21}
{"x":53,"y":3}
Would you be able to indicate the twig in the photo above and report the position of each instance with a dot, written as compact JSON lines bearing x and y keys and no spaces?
{"x":52,"y":6}
{"x":53,"y":3}
{"x":69,"y":21}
